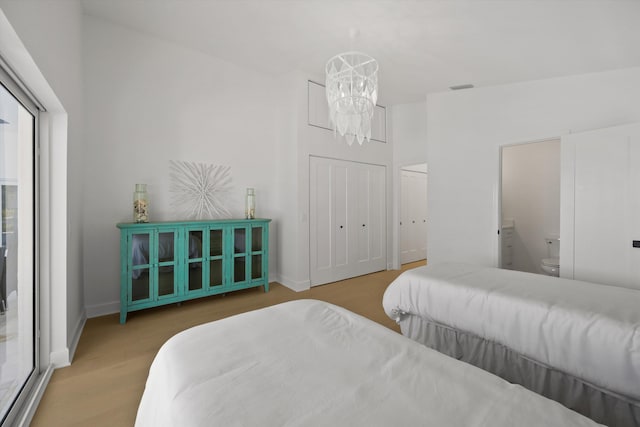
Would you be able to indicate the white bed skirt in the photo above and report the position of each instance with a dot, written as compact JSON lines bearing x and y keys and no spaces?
{"x":309,"y":363}
{"x":600,"y":405}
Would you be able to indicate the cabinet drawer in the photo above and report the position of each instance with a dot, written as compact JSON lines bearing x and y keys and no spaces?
{"x":506,"y":233}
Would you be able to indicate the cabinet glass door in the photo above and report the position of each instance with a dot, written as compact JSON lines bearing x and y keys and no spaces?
{"x":195,"y":255}
{"x":166,"y":262}
{"x":216,"y":267}
{"x":240,"y":254}
{"x":257,"y":270}
{"x":140,"y":285}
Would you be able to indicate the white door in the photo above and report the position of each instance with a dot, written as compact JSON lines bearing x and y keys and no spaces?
{"x":413,"y":216}
{"x":347,"y":219}
{"x":600,"y":218}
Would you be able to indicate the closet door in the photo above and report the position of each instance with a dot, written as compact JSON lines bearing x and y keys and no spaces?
{"x":329,"y":228}
{"x":413,"y":214}
{"x":368,"y":206}
{"x":347,"y":219}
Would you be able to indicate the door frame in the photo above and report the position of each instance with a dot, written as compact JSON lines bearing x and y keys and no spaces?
{"x":498,"y":192}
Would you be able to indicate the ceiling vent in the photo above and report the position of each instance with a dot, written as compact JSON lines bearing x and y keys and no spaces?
{"x":458,"y":87}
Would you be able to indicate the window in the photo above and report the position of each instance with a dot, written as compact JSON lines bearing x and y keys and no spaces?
{"x":18,"y":248}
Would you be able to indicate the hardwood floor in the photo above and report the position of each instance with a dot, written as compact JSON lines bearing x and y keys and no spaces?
{"x":104,"y":384}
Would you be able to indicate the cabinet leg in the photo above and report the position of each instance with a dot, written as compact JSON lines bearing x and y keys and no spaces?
{"x":123,"y":317}
{"x":266,"y":287}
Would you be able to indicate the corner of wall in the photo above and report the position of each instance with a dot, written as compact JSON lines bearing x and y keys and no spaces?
{"x":60,"y":358}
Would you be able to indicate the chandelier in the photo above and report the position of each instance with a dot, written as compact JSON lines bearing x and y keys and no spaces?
{"x":352,"y":91}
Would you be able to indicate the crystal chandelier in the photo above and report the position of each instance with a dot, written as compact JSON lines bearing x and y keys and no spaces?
{"x":352,"y":91}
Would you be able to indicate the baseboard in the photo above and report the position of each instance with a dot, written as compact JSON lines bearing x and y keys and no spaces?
{"x":77,"y":332}
{"x":297,"y":286}
{"x":98,"y":310}
{"x":30,"y":406}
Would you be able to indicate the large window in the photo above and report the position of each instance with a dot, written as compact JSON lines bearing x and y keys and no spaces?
{"x":18,"y":287}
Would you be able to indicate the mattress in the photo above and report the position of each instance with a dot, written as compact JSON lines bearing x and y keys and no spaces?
{"x":587,"y":330}
{"x":310,"y":363}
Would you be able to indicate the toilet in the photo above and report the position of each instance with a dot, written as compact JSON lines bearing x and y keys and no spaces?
{"x":551,"y":265}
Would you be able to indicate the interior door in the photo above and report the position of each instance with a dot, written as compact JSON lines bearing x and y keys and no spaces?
{"x":413,"y":216}
{"x":600,"y":218}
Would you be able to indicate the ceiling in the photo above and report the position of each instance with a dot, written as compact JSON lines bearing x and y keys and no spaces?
{"x":421,"y":46}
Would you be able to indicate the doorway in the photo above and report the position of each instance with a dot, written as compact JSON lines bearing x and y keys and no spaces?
{"x":530,"y":205}
{"x":413,"y":213}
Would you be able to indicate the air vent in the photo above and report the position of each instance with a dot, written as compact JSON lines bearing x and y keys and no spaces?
{"x":458,"y":87}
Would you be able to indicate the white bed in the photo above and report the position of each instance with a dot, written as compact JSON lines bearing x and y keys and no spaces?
{"x":576,"y":342}
{"x":309,"y":363}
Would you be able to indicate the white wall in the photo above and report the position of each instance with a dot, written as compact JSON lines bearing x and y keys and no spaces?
{"x":409,"y":135}
{"x":531,"y":197}
{"x":49,"y":61}
{"x":149,"y":102}
{"x":465,"y":130}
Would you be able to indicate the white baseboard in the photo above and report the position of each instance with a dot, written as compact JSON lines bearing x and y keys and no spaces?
{"x":98,"y":310}
{"x":30,"y":406}
{"x":297,"y":286}
{"x":77,"y":332}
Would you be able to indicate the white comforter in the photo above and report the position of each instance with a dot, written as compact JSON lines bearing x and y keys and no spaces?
{"x":587,"y":330}
{"x":309,"y":363}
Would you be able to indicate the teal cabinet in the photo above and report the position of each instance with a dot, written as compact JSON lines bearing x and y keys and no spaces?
{"x":168,"y":262}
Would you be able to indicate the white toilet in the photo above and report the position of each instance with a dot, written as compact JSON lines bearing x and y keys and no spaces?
{"x":551,"y":265}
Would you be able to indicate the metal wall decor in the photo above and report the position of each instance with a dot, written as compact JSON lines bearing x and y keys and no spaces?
{"x":199,"y":190}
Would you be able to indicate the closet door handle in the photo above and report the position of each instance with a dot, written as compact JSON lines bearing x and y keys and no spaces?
{"x":413,"y":222}
{"x":340,"y":226}
{"x":363,"y":225}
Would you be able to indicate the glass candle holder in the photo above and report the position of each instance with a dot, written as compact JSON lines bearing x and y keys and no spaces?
{"x":250,"y":205}
{"x":140,"y":204}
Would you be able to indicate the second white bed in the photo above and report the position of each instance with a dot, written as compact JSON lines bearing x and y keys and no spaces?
{"x":586,"y":330}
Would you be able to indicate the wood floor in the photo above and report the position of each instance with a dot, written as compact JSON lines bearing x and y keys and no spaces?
{"x":104,"y":384}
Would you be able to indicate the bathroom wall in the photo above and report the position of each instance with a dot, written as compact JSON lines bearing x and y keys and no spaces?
{"x":531,"y":197}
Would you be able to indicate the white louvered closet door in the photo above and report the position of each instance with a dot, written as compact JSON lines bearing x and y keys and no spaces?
{"x":347,"y":219}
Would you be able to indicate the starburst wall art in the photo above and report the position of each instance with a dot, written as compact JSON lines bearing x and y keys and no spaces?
{"x":199,"y":190}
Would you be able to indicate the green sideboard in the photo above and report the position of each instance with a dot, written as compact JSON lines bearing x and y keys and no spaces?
{"x":168,"y":262}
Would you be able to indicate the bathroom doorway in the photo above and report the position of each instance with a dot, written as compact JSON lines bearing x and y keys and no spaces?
{"x":530,"y":207}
